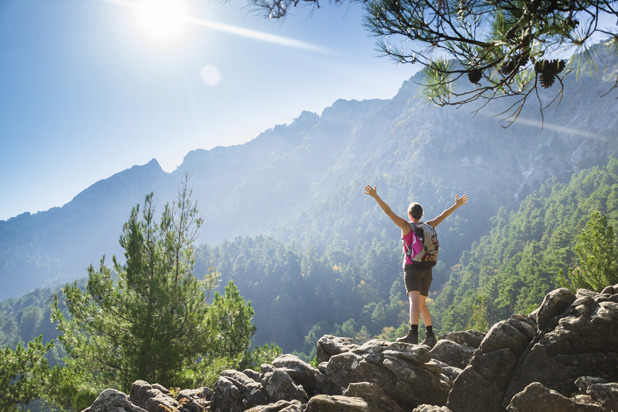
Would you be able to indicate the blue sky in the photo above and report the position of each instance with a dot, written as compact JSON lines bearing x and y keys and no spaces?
{"x":86,"y":92}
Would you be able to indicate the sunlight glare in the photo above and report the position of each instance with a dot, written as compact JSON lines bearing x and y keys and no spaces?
{"x":163,"y":21}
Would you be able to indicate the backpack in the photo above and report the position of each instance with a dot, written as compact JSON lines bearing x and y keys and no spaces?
{"x":424,"y":248}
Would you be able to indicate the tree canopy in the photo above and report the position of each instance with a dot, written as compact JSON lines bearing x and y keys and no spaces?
{"x":499,"y":48}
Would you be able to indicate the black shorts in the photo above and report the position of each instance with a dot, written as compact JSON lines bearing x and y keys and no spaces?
{"x":417,"y":279}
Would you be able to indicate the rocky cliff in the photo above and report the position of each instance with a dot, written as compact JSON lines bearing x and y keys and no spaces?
{"x":562,"y":357}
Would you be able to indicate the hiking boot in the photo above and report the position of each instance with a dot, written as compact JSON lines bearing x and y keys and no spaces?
{"x":411,"y":337}
{"x":430,"y":340}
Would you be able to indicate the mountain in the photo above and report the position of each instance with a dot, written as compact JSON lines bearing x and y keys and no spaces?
{"x":303,"y":181}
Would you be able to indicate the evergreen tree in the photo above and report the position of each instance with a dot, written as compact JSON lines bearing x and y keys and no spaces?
{"x":229,"y":319}
{"x":598,"y":256}
{"x":146,"y":318}
{"x":23,"y":374}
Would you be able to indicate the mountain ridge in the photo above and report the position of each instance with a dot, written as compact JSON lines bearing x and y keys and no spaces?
{"x":429,"y":153}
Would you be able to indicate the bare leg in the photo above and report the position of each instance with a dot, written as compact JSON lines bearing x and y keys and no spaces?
{"x":424,"y":311}
{"x":415,"y":308}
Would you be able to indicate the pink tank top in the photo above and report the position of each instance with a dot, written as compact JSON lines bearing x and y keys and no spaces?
{"x":407,"y":244}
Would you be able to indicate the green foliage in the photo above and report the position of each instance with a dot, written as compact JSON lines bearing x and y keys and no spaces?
{"x":597,"y":251}
{"x":479,"y":315}
{"x":146,"y":319}
{"x":229,"y":319}
{"x":519,"y":261}
{"x":24,"y":374}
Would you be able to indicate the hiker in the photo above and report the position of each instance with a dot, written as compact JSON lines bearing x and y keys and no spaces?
{"x":417,"y":275}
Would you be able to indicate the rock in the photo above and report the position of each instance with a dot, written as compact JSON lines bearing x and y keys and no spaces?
{"x":195,"y":400}
{"x":329,"y":346}
{"x":152,"y":398}
{"x":280,"y":386}
{"x":280,"y":406}
{"x":111,"y":400}
{"x":313,"y":380}
{"x":404,"y":371}
{"x":450,"y":372}
{"x":234,"y":392}
{"x":452,"y":353}
{"x":336,"y":403}
{"x":610,"y":290}
{"x":603,"y":392}
{"x":471,"y":338}
{"x":537,"y":398}
{"x":554,"y":304}
{"x":255,"y":375}
{"x":374,"y":395}
{"x":431,"y":408}
{"x":584,"y":342}
{"x":482,"y":384}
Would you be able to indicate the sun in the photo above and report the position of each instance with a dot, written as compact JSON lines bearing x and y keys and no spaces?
{"x":162,"y":21}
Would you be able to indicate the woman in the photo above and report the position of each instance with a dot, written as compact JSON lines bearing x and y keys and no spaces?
{"x":416,"y":278}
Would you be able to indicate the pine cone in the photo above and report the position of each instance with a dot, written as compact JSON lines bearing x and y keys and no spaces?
{"x":547,"y":79}
{"x":475,"y":75}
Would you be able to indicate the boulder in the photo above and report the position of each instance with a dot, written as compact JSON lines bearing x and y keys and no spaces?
{"x":234,"y":392}
{"x":279,"y":406}
{"x":195,"y":400}
{"x":471,"y":338}
{"x":336,"y":403}
{"x":482,"y":384}
{"x":554,"y":304}
{"x":278,"y":385}
{"x":374,"y":395}
{"x":329,"y":346}
{"x":111,"y":400}
{"x":452,"y":353}
{"x":152,"y":398}
{"x":313,"y":380}
{"x":537,"y":398}
{"x":583,"y":342}
{"x":431,"y":408}
{"x":405,"y":372}
{"x":603,"y":392}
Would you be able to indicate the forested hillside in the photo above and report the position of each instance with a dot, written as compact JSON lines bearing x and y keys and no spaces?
{"x":514,"y":266}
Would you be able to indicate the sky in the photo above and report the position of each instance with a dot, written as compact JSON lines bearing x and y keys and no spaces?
{"x":89,"y":88}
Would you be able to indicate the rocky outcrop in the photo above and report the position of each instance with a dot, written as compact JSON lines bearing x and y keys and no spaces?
{"x":580,"y":341}
{"x":482,"y":384}
{"x":563,"y":357}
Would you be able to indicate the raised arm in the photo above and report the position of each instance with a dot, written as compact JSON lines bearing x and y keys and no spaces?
{"x":399,"y":221}
{"x":459,"y":201}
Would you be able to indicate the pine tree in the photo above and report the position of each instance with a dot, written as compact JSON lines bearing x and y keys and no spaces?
{"x":23,"y":374}
{"x":229,"y":320}
{"x":598,"y":255}
{"x":145,"y":318}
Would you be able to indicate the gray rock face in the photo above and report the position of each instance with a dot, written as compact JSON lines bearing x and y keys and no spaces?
{"x":470,"y":338}
{"x":153,"y":398}
{"x":452,"y":353}
{"x":280,"y":406}
{"x":536,"y":397}
{"x":111,"y":400}
{"x":481,"y":385}
{"x":329,"y":346}
{"x":584,"y":342}
{"x":336,"y":403}
{"x":374,"y":395}
{"x":405,"y":372}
